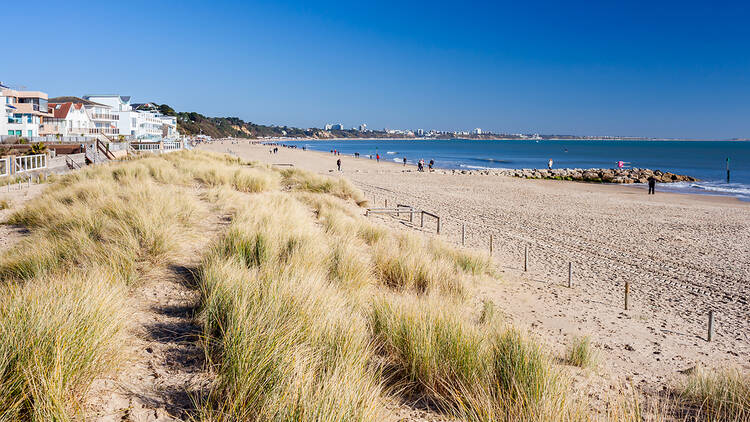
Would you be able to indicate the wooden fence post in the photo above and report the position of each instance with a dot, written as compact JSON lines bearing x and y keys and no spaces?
{"x":627,"y":294}
{"x":463,"y":234}
{"x":490,"y":245}
{"x":525,"y":258}
{"x":710,"y":325}
{"x":421,"y":219}
{"x":570,"y":274}
{"x":438,"y":225}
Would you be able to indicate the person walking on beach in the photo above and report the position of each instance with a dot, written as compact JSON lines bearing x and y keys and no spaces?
{"x":377,"y":157}
{"x":404,"y":161}
{"x":432,"y":163}
{"x":549,"y":165}
{"x":651,"y":185}
{"x":338,"y":164}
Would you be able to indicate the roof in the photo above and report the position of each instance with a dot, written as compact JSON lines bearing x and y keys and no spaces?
{"x":123,"y":98}
{"x":74,"y":100}
{"x":60,"y":110}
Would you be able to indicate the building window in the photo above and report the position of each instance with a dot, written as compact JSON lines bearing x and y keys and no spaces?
{"x":29,"y":118}
{"x":10,"y":132}
{"x":31,"y":133}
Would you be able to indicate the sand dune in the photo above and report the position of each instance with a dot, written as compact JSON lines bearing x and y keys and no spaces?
{"x":683,"y":255}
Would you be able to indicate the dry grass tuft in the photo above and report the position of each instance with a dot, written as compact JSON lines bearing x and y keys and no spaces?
{"x":580,"y":353}
{"x":301,"y":180}
{"x":4,"y":204}
{"x":56,"y":335}
{"x":472,"y":372}
{"x":721,"y":395}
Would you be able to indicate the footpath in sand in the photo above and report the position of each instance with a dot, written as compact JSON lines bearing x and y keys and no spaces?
{"x":167,"y":371}
{"x":14,"y":196}
{"x":682,"y":255}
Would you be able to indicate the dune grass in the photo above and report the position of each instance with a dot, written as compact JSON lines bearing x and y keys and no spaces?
{"x":4,"y":204}
{"x":372,"y":295}
{"x":718,"y":395}
{"x":580,"y":353}
{"x":302,"y":180}
{"x":56,"y":335}
{"x":94,"y":234}
{"x":475,"y":373}
{"x":286,"y":343}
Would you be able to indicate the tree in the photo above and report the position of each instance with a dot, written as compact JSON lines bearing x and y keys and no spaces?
{"x":167,"y":110}
{"x":38,"y":148}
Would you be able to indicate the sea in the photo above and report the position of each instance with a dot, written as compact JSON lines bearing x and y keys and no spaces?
{"x":705,"y":160}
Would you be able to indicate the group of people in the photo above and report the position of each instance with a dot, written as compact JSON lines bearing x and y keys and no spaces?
{"x":274,"y":150}
{"x":420,"y":164}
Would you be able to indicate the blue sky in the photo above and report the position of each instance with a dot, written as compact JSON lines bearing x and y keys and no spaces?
{"x":673,"y":69}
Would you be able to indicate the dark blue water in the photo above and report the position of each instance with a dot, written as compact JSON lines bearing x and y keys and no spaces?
{"x":705,"y":160}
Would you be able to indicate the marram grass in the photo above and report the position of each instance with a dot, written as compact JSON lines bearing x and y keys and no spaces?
{"x":580,"y":353}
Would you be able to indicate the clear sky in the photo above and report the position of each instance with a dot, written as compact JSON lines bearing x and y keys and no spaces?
{"x":673,"y":69}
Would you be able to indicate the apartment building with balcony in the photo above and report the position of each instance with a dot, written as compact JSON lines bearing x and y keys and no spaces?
{"x":146,"y":123}
{"x":22,"y":112}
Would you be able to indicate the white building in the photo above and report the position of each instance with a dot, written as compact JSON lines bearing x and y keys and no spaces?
{"x":102,"y":121}
{"x":139,"y":124}
{"x":477,"y":131}
{"x":22,"y":112}
{"x":363,"y":127}
{"x":420,"y":132}
{"x":68,"y":119}
{"x":335,"y":126}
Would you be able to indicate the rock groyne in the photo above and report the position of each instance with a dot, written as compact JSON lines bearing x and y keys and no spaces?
{"x":624,"y":176}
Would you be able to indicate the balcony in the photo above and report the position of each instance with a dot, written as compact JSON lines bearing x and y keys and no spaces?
{"x":99,"y":116}
{"x":104,"y":131}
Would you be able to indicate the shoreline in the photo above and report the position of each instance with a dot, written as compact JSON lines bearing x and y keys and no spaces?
{"x":494,"y":139}
{"x":636,"y":187}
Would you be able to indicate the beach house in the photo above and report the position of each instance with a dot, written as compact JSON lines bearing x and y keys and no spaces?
{"x":23,"y":112}
{"x":78,"y":116}
{"x":68,"y":119}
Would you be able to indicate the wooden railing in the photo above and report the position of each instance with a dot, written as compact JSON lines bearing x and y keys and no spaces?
{"x":104,"y":149}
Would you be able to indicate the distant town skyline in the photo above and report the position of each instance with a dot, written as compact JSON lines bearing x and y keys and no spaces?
{"x":666,"y":69}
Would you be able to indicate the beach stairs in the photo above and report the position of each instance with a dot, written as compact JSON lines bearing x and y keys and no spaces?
{"x":98,"y":153}
{"x":71,"y":164}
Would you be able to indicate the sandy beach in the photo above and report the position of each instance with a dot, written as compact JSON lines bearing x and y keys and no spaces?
{"x":682,"y":256}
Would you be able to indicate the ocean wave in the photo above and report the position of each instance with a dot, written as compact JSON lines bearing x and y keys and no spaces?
{"x":738,"y":190}
{"x":391,"y":152}
{"x":490,"y":160}
{"x":741,"y":190}
{"x":468,"y":166}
